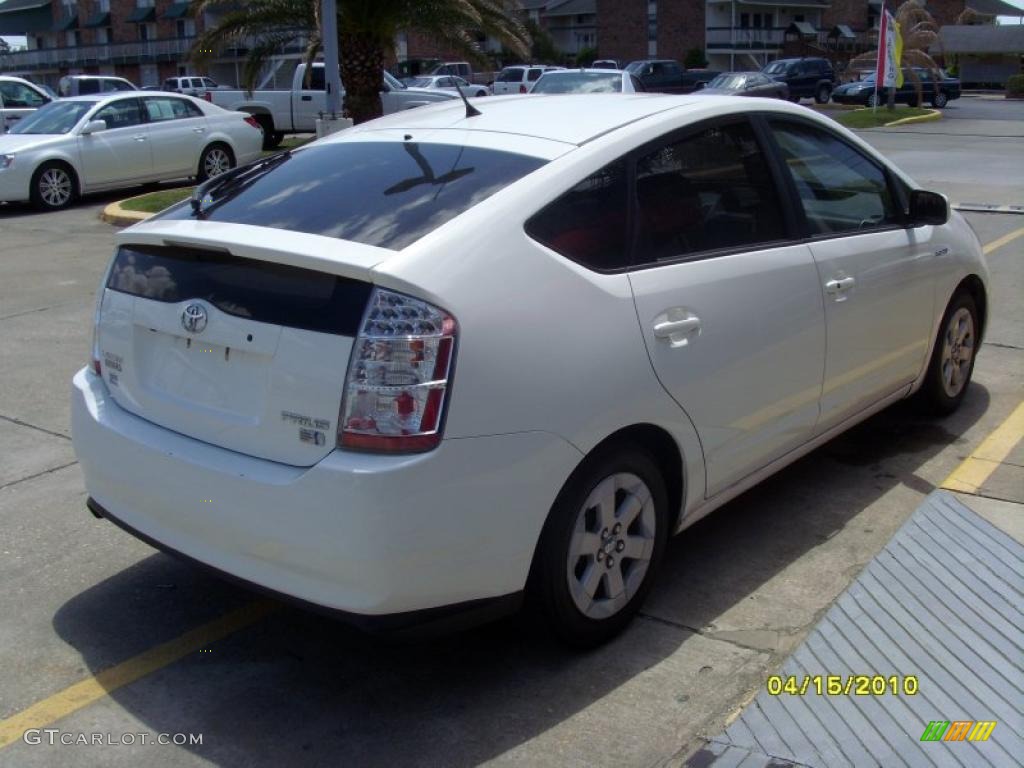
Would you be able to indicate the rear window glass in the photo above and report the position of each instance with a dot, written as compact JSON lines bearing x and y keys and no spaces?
{"x":510,"y":76}
{"x":387,"y":194}
{"x":259,"y":290}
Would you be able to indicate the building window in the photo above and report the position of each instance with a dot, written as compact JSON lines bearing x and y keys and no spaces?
{"x":103,"y":35}
{"x":798,"y":17}
{"x":147,"y":31}
{"x":103,"y":6}
{"x":744,"y":20}
{"x":186,"y":27}
{"x":145,"y":3}
{"x":40,"y":42}
{"x":73,"y":38}
{"x":652,"y":27}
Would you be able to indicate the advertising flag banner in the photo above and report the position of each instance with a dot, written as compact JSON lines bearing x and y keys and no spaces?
{"x":889,"y":74}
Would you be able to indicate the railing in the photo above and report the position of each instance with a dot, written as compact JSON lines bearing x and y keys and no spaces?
{"x":116,"y":52}
{"x":746,"y":38}
{"x":773,"y":38}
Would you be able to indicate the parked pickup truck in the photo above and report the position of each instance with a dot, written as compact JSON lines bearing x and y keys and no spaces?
{"x":669,"y":76}
{"x":19,"y":98}
{"x":281,"y":112}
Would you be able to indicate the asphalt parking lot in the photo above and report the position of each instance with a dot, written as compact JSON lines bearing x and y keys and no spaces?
{"x":101,"y":635}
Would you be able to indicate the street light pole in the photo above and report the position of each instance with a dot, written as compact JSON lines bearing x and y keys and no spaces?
{"x":332,"y":74}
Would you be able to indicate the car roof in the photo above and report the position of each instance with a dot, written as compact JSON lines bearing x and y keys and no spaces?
{"x":566,"y":118}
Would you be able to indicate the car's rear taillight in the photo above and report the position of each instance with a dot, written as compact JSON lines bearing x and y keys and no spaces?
{"x":398,"y":376}
{"x":208,"y":96}
{"x":251,"y":121}
{"x":522,"y":88}
{"x":95,"y":364}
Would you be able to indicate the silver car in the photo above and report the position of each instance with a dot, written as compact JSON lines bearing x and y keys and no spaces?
{"x":89,"y":143}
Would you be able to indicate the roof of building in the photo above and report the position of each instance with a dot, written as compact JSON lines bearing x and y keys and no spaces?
{"x":994,"y":8}
{"x":571,"y":8}
{"x":10,"y":6}
{"x":982,"y":38}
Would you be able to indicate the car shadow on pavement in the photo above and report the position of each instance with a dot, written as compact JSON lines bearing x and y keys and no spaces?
{"x":301,"y":688}
{"x":92,"y":198}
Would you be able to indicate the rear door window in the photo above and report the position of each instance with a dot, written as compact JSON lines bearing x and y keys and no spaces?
{"x":387,"y":194}
{"x":510,"y":76}
{"x":534,"y":74}
{"x":708,"y":191}
{"x":588,"y":224}
{"x":121,"y":114}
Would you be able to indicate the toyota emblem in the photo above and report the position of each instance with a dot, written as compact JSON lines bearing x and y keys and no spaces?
{"x":193,"y":318}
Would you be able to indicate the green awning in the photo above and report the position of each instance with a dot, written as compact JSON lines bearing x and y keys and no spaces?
{"x":176,"y":11}
{"x":802,"y":28}
{"x":142,"y":15}
{"x":97,"y":20}
{"x":842,"y":31}
{"x":66,"y":23}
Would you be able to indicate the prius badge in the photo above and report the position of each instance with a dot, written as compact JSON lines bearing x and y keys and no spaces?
{"x":193,"y":318}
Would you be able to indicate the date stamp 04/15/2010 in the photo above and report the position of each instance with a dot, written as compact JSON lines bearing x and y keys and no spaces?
{"x":842,"y":685}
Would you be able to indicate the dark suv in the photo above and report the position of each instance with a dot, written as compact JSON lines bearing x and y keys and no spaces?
{"x":810,"y":78}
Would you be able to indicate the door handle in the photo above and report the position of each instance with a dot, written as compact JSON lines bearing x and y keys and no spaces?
{"x":139,"y":137}
{"x":307,"y":98}
{"x":198,"y":130}
{"x":838,"y":288}
{"x":677,"y":325}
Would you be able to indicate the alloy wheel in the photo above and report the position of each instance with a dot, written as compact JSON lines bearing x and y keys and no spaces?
{"x":612,"y":545}
{"x":217,"y":161}
{"x":55,"y":187}
{"x":957,"y":351}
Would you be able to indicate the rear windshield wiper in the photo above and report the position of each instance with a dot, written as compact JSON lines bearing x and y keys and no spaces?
{"x":220,"y":188}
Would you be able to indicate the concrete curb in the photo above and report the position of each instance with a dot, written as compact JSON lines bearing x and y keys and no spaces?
{"x":120,"y":217}
{"x":932,"y":116}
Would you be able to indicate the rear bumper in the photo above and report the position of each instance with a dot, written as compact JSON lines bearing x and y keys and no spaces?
{"x":359,"y":534}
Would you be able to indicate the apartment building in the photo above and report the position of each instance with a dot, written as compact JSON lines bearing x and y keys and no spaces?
{"x":144,"y":41}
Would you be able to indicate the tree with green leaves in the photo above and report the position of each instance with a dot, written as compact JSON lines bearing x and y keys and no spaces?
{"x":366,"y":35}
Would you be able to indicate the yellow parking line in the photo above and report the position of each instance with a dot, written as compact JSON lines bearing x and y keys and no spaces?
{"x":976,"y":468}
{"x":1001,"y":241}
{"x":83,"y":693}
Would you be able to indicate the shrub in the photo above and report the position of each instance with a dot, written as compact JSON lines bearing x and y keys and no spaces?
{"x":695,"y":59}
{"x":1015,"y":86}
{"x":586,"y":57}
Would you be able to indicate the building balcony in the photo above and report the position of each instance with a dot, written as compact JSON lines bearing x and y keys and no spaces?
{"x":140,"y":51}
{"x":745,"y":38}
{"x":742,"y":39}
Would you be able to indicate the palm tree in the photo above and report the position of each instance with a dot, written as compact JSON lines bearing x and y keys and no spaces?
{"x":366,"y":35}
{"x":920,"y":31}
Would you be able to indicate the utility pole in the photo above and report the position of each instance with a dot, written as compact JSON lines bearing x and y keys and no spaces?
{"x":331,"y":120}
{"x":332,"y":74}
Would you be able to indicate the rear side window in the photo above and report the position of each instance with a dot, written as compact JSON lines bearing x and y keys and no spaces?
{"x":708,"y":191}
{"x":387,"y":194}
{"x":510,"y":76}
{"x":88,"y":86}
{"x":257,"y":290}
{"x":588,"y":224}
{"x":534,"y":74}
{"x":841,"y":190}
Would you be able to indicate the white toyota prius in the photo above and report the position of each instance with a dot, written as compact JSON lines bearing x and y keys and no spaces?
{"x":93,"y":143}
{"x":439,"y":363}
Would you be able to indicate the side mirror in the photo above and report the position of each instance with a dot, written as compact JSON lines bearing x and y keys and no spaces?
{"x":928,"y":208}
{"x":94,"y":126}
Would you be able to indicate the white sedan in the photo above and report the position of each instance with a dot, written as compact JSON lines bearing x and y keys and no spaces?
{"x":89,"y":143}
{"x":587,"y":81}
{"x":441,"y":362}
{"x":447,"y":83}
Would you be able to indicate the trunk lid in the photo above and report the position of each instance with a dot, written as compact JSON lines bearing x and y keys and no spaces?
{"x":243,"y":347}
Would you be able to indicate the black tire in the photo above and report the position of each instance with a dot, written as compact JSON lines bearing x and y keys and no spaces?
{"x":217,"y":154}
{"x":481,"y":93}
{"x":45,"y":183}
{"x":548,"y":588}
{"x":939,"y":100}
{"x":794,"y":98}
{"x":934,"y":394}
{"x":823,"y":94}
{"x":872,"y":100}
{"x":271,"y":138}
